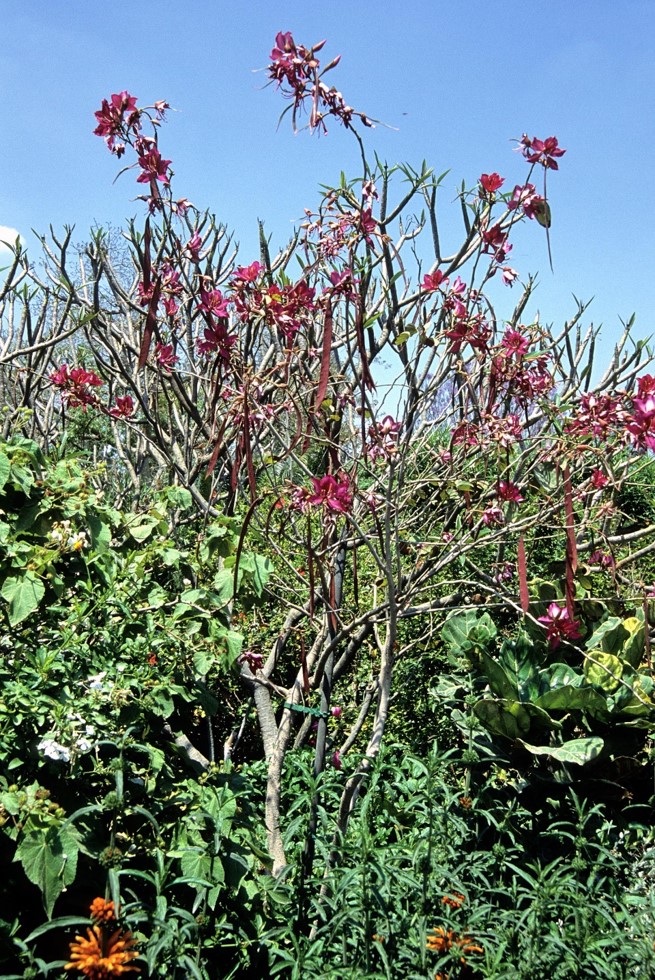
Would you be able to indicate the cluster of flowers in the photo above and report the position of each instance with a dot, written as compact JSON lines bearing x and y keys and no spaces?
{"x":295,"y":69}
{"x":66,"y":539}
{"x":444,"y":940}
{"x":120,"y":124}
{"x":383,"y":439}
{"x":107,"y":950}
{"x":332,"y":493}
{"x":77,"y":388}
{"x":604,"y":416}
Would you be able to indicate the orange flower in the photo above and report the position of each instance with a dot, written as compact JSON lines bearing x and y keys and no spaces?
{"x":443,"y":940}
{"x":101,"y":957}
{"x":455,"y":901}
{"x":102,"y":911}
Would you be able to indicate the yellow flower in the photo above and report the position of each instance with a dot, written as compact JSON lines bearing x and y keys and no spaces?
{"x":101,"y":957}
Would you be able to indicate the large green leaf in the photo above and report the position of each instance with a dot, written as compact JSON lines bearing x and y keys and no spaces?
{"x":23,"y":593}
{"x":49,"y":860}
{"x":569,"y":698}
{"x":511,"y":718}
{"x":578,"y":751}
{"x":499,"y":682}
{"x":603,"y":670}
{"x":468,"y":633}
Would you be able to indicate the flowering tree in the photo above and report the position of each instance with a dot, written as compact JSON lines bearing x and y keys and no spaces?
{"x":312,"y":406}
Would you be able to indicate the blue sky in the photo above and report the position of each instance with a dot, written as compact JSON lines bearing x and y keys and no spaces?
{"x":456,"y":81}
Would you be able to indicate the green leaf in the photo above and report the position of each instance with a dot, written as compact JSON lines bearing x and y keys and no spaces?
{"x":468,"y":633}
{"x":4,"y":470}
{"x":506,"y":718}
{"x":49,"y":860}
{"x":499,"y":682}
{"x":511,"y":718}
{"x":609,"y":637}
{"x":141,"y":528}
{"x":569,"y":698}
{"x":179,"y":497}
{"x":578,"y":751}
{"x":100,"y":533}
{"x":202,"y":662}
{"x":23,"y":593}
{"x":603,"y":670}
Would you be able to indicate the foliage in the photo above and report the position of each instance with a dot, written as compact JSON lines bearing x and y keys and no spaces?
{"x":246,"y":512}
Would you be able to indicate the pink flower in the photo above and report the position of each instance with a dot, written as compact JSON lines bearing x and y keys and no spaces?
{"x":336,"y":759}
{"x":217,"y":340}
{"x":212,"y":301}
{"x":153,"y":168}
{"x":514,"y":343}
{"x":165,"y":357}
{"x":123,"y":408}
{"x":495,"y":241}
{"x":541,"y":151}
{"x":333,"y":494}
{"x":509,"y":275}
{"x":433,"y":281}
{"x":490,"y":183}
{"x":599,"y":480}
{"x":506,"y":490}
{"x":559,"y":625}
{"x":76,"y":386}
{"x":367,"y":224}
{"x":193,"y":246}
{"x":111,"y":117}
{"x":492,"y":515}
{"x":336,"y":711}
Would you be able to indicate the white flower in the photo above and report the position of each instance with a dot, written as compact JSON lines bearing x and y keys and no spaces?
{"x":53,"y":750}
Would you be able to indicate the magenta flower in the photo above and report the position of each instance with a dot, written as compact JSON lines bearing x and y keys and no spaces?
{"x":193,"y":246}
{"x":246,"y":274}
{"x":514,"y":343}
{"x":597,"y":415}
{"x":254,"y":660}
{"x":343,"y":284}
{"x":153,"y":168}
{"x":217,"y":340}
{"x":541,"y":151}
{"x":212,"y":301}
{"x":367,"y":224}
{"x":599,"y":480}
{"x":76,"y":386}
{"x":111,"y":119}
{"x":492,"y":515}
{"x":602,"y":558}
{"x":490,"y":183}
{"x":559,"y":625}
{"x":333,"y":494}
{"x":123,"y":409}
{"x":496,"y":241}
{"x":641,"y":427}
{"x":508,"y":491}
{"x":434,"y":281}
{"x":165,"y":357}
